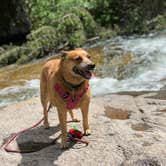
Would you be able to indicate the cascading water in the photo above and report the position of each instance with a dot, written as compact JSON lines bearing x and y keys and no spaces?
{"x":149,"y":71}
{"x":146,"y":72}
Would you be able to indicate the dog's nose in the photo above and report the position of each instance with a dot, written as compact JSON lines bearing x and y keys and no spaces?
{"x":91,"y":66}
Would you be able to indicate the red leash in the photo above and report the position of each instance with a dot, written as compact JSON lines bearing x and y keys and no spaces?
{"x":7,"y":149}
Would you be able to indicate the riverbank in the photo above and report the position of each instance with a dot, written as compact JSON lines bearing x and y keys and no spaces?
{"x":127,"y":130}
{"x":123,"y":64}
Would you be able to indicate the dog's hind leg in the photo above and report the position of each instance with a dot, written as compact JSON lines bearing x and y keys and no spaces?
{"x":44,"y":99}
{"x":73,"y":117}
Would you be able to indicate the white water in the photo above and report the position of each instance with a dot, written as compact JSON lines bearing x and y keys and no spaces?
{"x":148,"y":74}
{"x":152,"y":51}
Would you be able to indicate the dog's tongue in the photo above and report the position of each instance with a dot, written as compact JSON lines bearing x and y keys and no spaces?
{"x":88,"y":74}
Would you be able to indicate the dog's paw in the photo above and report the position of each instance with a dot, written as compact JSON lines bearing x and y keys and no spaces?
{"x":87,"y":132}
{"x":76,"y":120}
{"x":46,"y":125}
{"x":64,"y":145}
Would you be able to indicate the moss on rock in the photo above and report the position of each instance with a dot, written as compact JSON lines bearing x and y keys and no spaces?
{"x":10,"y":56}
{"x":39,"y":42}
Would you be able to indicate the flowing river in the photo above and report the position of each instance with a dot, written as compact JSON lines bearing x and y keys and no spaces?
{"x":123,"y":64}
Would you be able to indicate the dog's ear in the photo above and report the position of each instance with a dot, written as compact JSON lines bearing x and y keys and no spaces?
{"x":64,"y":53}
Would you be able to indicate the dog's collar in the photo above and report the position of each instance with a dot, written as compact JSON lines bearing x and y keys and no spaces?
{"x":71,"y":86}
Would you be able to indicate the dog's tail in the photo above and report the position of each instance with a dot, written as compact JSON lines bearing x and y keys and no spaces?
{"x":43,"y":88}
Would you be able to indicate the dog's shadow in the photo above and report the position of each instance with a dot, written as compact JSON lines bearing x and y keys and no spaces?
{"x":41,"y":141}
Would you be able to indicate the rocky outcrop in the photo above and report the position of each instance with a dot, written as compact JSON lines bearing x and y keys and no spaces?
{"x":127,"y":130}
{"x":71,"y":30}
{"x":14,"y":23}
{"x":39,"y":43}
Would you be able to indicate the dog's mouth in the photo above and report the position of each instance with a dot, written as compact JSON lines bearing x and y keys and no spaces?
{"x":83,"y":72}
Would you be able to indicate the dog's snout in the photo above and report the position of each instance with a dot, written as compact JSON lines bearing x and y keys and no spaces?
{"x":91,"y":66}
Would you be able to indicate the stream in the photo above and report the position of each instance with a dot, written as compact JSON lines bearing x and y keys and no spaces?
{"x":123,"y":64}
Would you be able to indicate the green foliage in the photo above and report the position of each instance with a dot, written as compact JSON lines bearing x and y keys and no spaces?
{"x":70,"y":19}
{"x":160,"y":22}
{"x":39,"y":42}
{"x":106,"y":12}
{"x":130,"y":16}
{"x":57,"y":22}
{"x":48,"y":12}
{"x":41,"y":12}
{"x":87,"y":20}
{"x":67,"y":4}
{"x":71,"y":30}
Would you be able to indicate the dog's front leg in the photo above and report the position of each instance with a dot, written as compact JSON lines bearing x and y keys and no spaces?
{"x":85,"y":110}
{"x":62,"y":114}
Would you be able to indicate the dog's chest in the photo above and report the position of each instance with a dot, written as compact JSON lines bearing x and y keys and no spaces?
{"x":71,"y":99}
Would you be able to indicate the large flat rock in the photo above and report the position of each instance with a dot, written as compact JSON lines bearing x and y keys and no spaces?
{"x":127,"y":130}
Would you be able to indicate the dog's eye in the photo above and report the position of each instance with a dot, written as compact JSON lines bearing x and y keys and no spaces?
{"x":88,"y":56}
{"x":78,"y":59}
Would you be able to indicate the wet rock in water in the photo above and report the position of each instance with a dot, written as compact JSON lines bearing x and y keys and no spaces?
{"x":119,"y":65}
{"x":113,"y":61}
{"x":113,"y":49}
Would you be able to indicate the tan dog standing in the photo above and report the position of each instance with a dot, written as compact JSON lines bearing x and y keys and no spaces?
{"x":65,"y":84}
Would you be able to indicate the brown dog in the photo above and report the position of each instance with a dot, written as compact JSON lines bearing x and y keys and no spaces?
{"x":64,"y":84}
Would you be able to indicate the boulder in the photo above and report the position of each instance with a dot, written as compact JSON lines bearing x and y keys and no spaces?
{"x":14,"y":21}
{"x":127,"y":129}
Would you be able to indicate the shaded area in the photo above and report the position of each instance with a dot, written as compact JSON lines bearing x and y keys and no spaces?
{"x":14,"y":22}
{"x":141,"y":127}
{"x":161,"y":95}
{"x":164,"y":110}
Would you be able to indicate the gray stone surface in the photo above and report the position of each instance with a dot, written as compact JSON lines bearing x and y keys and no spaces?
{"x":138,"y":139}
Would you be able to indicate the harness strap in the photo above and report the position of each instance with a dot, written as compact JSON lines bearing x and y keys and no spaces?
{"x":70,"y":99}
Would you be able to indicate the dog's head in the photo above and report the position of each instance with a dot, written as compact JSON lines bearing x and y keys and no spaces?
{"x":78,"y":63}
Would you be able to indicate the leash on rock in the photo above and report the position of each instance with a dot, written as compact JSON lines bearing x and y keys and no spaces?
{"x":74,"y":135}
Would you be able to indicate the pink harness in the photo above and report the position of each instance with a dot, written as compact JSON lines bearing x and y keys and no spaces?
{"x":71,"y":100}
